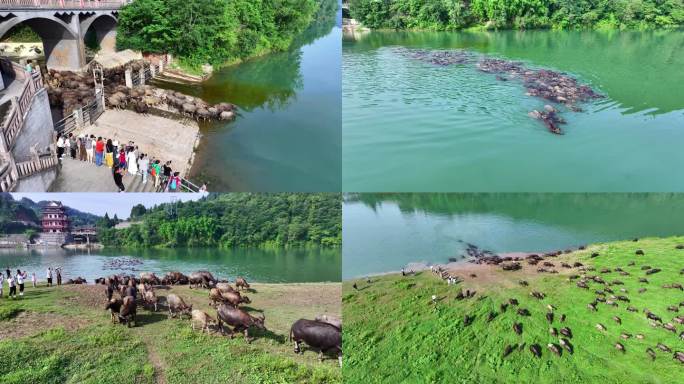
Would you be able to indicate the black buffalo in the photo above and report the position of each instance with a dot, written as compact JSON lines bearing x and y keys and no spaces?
{"x":318,"y":335}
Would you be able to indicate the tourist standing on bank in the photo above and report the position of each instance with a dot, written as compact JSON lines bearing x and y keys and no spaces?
{"x":12,"y":287}
{"x":2,"y":281}
{"x":122,"y":161}
{"x":132,"y":161}
{"x":144,"y":164}
{"x":166,"y":171}
{"x":82,"y":153}
{"x":49,"y":277}
{"x":117,"y":173}
{"x":174,"y":183}
{"x":156,"y":172}
{"x":99,"y":151}
{"x":59,"y":275}
{"x":21,"y":277}
{"x":73,"y":146}
{"x":60,"y":146}
{"x":7,"y":270}
{"x":33,"y":279}
{"x":109,"y":153}
{"x":90,"y":143}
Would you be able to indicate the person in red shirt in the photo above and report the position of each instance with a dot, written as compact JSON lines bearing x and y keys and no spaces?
{"x":99,"y":151}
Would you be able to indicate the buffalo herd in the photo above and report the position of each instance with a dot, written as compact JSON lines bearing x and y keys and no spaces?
{"x":609,"y":292}
{"x":323,"y":334}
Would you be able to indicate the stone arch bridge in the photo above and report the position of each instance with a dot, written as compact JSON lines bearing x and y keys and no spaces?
{"x":62,"y":26}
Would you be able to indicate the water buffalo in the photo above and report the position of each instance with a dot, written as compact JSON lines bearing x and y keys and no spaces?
{"x":235,"y":299}
{"x":507,"y":351}
{"x":202,"y":279}
{"x":109,"y":292}
{"x":536,"y":350}
{"x":566,"y":332}
{"x":332,"y":320}
{"x":224,"y":287}
{"x":554,"y":348}
{"x":318,"y":335}
{"x":565,"y":343}
{"x":128,"y":311}
{"x":174,"y":278}
{"x":651,"y":353}
{"x":202,"y":319}
{"x":240,"y":320}
{"x":215,"y":297}
{"x":240,"y":282}
{"x":518,"y":328}
{"x":177,"y":306}
{"x":150,"y":299}
{"x":620,"y":347}
{"x":149,"y":278}
{"x":549,"y":317}
{"x":114,"y":307}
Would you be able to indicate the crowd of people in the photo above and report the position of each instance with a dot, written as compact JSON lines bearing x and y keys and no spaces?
{"x":121,"y":158}
{"x":16,"y":282}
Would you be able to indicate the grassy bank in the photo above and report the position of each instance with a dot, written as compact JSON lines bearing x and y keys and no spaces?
{"x":393,"y":329}
{"x":63,"y":335}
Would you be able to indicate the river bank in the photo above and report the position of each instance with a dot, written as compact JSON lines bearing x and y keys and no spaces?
{"x":399,"y":319}
{"x":64,"y":334}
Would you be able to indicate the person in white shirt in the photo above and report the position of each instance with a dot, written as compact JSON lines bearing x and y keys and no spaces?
{"x":20,"y":281}
{"x":49,"y":277}
{"x":2,"y":281}
{"x":33,"y":279}
{"x":60,"y":146}
{"x":132,"y":162}
{"x":12,"y":287}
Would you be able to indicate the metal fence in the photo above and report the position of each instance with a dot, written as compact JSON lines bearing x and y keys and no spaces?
{"x":83,"y":116}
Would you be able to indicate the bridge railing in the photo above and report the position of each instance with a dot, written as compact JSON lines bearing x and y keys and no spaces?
{"x":14,"y":120}
{"x":62,"y":4}
{"x":9,"y":175}
{"x":28,"y":168}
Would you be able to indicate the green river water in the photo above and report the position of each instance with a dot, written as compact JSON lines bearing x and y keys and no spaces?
{"x":385,"y":232}
{"x":286,"y":136}
{"x":412,"y":126}
{"x":261,"y":265}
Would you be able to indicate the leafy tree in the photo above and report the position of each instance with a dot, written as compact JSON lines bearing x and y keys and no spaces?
{"x":212,"y":31}
{"x":137,"y":211}
{"x":519,"y":14}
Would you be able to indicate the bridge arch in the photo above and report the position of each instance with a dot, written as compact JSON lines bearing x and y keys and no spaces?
{"x":103,"y":28}
{"x":60,"y":43}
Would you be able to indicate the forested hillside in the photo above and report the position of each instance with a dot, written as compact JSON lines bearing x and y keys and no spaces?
{"x":14,"y":212}
{"x":519,"y":14}
{"x":212,"y":31}
{"x":234,"y":220}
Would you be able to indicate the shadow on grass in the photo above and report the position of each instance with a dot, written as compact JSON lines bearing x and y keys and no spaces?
{"x":146,"y":317}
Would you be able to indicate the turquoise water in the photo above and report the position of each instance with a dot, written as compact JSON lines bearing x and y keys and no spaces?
{"x":267,"y":266}
{"x":385,"y":232}
{"x":287,"y":135}
{"x":412,"y":126}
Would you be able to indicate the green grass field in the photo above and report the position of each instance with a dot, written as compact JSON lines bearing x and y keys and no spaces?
{"x":64,"y":335}
{"x":393,"y":329}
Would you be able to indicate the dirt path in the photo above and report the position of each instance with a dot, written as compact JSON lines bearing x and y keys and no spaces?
{"x":155,"y":360}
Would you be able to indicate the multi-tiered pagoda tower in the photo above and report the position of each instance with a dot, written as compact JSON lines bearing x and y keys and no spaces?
{"x":55,"y":219}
